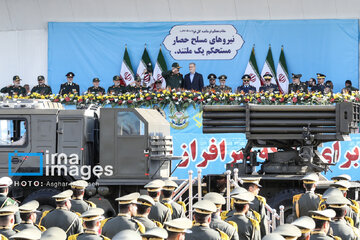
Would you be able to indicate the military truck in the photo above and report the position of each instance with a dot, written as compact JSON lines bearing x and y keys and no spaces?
{"x":43,"y":147}
{"x":296,"y":131}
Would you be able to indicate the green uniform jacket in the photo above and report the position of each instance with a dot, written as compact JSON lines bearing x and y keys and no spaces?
{"x":12,"y":90}
{"x":160,"y":213}
{"x":116,"y":90}
{"x":118,"y":224}
{"x":343,"y":229}
{"x":258,"y":205}
{"x":98,"y":90}
{"x":309,"y":201}
{"x":248,"y":229}
{"x":7,"y":232}
{"x":178,"y":211}
{"x":202,"y":232}
{"x":148,"y":224}
{"x":24,"y":225}
{"x":217,"y":223}
{"x":211,"y":88}
{"x":79,"y":205}
{"x":173,"y":80}
{"x":88,"y":235}
{"x":225,"y":89}
{"x":42,"y":89}
{"x":301,"y":87}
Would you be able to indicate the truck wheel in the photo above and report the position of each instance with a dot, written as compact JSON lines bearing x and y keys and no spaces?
{"x":284,"y":198}
{"x":43,"y":196}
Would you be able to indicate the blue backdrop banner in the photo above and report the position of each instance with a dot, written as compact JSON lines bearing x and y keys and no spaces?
{"x":221,"y":47}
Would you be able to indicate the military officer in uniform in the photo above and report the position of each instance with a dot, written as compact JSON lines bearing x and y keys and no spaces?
{"x":96,"y":89}
{"x":297,"y":85}
{"x":15,"y":89}
{"x":176,"y":228}
{"x":5,"y":183}
{"x":258,"y":204}
{"x":321,"y":83}
{"x":246,"y":87}
{"x":230,"y":228}
{"x":137,"y":87}
{"x":268,"y":86}
{"x":27,"y":234}
{"x":69,"y":87}
{"x":177,"y":210}
{"x":92,"y":223}
{"x":124,"y":220}
{"x":155,"y":233}
{"x":340,"y":227}
{"x":248,"y":228}
{"x":144,"y":204}
{"x":306,"y":225}
{"x":305,"y":202}
{"x":201,"y":229}
{"x":117,"y":88}
{"x":53,"y":233}
{"x":322,"y":224}
{"x":227,"y":214}
{"x":288,"y":231}
{"x":273,"y":236}
{"x":173,"y":78}
{"x":62,"y":217}
{"x":159,"y":212}
{"x":28,"y":214}
{"x":78,"y":204}
{"x":7,"y":220}
{"x":212,"y":87}
{"x":41,"y":88}
{"x":222,"y":86}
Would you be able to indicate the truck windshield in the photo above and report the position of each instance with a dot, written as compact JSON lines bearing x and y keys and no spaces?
{"x":12,"y":132}
{"x":129,"y":124}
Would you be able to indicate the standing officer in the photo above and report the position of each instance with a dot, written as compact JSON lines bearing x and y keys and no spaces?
{"x":176,"y":228}
{"x":173,"y":78}
{"x":41,"y":88}
{"x":124,"y":220}
{"x":306,"y":225}
{"x":322,"y":224}
{"x":246,"y":87}
{"x":177,"y":210}
{"x":212,"y":87}
{"x":28,"y":217}
{"x":15,"y":89}
{"x":321,"y":83}
{"x":92,"y":224}
{"x":5,"y":183}
{"x":201,"y":229}
{"x":230,"y":228}
{"x":268,"y":86}
{"x":117,"y":88}
{"x":144,"y":204}
{"x":305,"y":202}
{"x":96,"y":89}
{"x":297,"y":85}
{"x":159,"y":212}
{"x":62,"y":217}
{"x":223,"y":87}
{"x":78,"y":204}
{"x":7,"y":220}
{"x":69,"y":87}
{"x":288,"y":231}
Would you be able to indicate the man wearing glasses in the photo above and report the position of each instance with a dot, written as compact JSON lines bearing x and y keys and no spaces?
{"x":69,"y":87}
{"x":41,"y":88}
{"x":268,"y":86}
{"x":246,"y":87}
{"x":212,"y":87}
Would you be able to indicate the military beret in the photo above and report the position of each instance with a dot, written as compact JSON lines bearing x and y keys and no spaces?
{"x":155,"y":185}
{"x":222,"y":77}
{"x":29,"y":207}
{"x":320,"y":75}
{"x":336,"y":201}
{"x":253,"y":180}
{"x":116,"y":78}
{"x":341,"y":177}
{"x":296,"y":75}
{"x":96,"y":79}
{"x":204,"y":207}
{"x":273,"y":236}
{"x":288,"y":231}
{"x":53,"y":233}
{"x":169,"y":185}
{"x":237,"y":190}
{"x":212,"y":76}
{"x":216,"y":198}
{"x":137,"y":78}
{"x":326,"y":214}
{"x":127,"y":235}
{"x":267,"y":76}
{"x":331,"y":191}
{"x":310,"y":178}
{"x":129,"y":198}
{"x":304,"y":223}
{"x":178,"y":225}
{"x":175,"y":65}
{"x":243,"y":198}
{"x":65,"y":195}
{"x":342,"y":185}
{"x":158,"y":233}
{"x":79,"y":184}
{"x":70,"y":74}
{"x":29,"y":234}
{"x":5,"y":182}
{"x":146,"y":200}
{"x":246,"y":77}
{"x":16,"y":77}
{"x":8,"y":210}
{"x":40,"y":78}
{"x":93,"y":214}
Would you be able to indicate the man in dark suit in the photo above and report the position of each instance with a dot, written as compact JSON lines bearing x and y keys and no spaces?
{"x":193,"y":80}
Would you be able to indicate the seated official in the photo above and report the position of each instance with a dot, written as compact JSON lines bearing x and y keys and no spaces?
{"x":297,"y":85}
{"x":117,"y":88}
{"x":268,"y":86}
{"x":41,"y":88}
{"x":15,"y":89}
{"x":69,"y":87}
{"x":246,"y":87}
{"x":96,"y":89}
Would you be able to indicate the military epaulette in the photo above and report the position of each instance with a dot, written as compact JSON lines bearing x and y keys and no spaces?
{"x":41,"y":228}
{"x":223,"y":235}
{"x":140,"y":225}
{"x":73,"y":237}
{"x":319,"y":195}
{"x":349,"y":220}
{"x":297,"y":197}
{"x":256,"y":215}
{"x":105,"y":238}
{"x":255,"y":223}
{"x":91,"y":204}
{"x":232,"y":223}
{"x":355,"y":203}
{"x":182,"y":204}
{"x":44,"y":214}
{"x":223,"y":215}
{"x":261,"y":199}
{"x":168,"y":205}
{"x":104,"y":221}
{"x":334,"y":237}
{"x":78,"y":214}
{"x":355,"y":209}
{"x":158,"y":223}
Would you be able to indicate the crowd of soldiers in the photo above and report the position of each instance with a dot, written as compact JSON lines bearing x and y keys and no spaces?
{"x":175,"y":80}
{"x":156,"y":216}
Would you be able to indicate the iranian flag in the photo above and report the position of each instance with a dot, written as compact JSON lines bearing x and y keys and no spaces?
{"x":282,"y":73}
{"x":269,"y":67}
{"x":144,"y":63}
{"x":160,"y":67}
{"x":253,"y":70}
{"x":126,"y":71}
